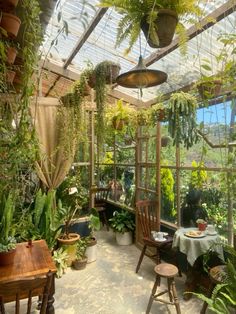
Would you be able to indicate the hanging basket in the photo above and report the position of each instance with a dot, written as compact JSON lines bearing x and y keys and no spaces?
{"x":209,"y":89}
{"x":11,"y":24}
{"x":118,"y":124}
{"x":108,"y":69}
{"x":165,"y":25}
{"x":165,"y":140}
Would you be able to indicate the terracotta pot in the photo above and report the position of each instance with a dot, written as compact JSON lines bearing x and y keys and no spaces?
{"x":10,"y":75}
{"x":73,"y":238}
{"x":70,"y":246}
{"x":11,"y":24}
{"x":209,"y":89}
{"x":7,"y":258}
{"x":11,"y":55}
{"x":79,"y":264}
{"x":8,"y":5}
{"x":165,"y":24}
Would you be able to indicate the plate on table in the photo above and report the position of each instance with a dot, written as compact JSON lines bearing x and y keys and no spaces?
{"x":212,"y":233}
{"x":195,"y":234}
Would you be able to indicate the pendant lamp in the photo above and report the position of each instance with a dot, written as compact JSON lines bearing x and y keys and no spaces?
{"x":141,"y":77}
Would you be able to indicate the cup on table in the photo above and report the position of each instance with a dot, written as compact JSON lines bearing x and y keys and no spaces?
{"x":159,"y":236}
{"x":210,"y":229}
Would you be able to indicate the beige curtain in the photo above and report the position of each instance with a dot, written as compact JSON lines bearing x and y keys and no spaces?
{"x":55,"y":159}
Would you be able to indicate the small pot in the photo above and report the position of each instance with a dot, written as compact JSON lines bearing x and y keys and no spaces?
{"x":7,"y":258}
{"x":118,"y":124}
{"x":202,"y":226}
{"x":73,"y":238}
{"x":79,"y":264}
{"x":11,"y":55}
{"x":10,"y":75}
{"x":11,"y":24}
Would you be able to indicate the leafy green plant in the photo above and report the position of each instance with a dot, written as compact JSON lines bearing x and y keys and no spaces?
{"x":60,"y":258}
{"x":7,"y":230}
{"x":182,"y":125}
{"x":223,"y":298}
{"x":133,"y":12}
{"x":122,"y":221}
{"x":81,"y":248}
{"x":94,"y":221}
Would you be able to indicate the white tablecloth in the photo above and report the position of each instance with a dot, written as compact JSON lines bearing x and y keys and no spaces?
{"x":194,"y":247}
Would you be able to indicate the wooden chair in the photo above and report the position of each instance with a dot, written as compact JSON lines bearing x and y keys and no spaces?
{"x":26,"y":288}
{"x":100,"y":198}
{"x":146,"y":211}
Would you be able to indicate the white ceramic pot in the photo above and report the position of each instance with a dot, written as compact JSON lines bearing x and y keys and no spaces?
{"x":124,"y":238}
{"x":91,"y":251}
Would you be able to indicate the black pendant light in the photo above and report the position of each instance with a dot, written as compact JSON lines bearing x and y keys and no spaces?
{"x":141,"y":77}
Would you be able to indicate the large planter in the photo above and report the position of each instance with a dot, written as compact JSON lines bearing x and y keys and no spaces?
{"x":70,"y":246}
{"x":91,"y":251}
{"x":211,"y":89}
{"x":165,"y":25}
{"x":7,"y":258}
{"x":11,"y":24}
{"x":125,"y":238}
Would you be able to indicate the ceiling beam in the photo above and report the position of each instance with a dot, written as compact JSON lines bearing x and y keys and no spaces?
{"x":215,"y":16}
{"x":85,"y":36}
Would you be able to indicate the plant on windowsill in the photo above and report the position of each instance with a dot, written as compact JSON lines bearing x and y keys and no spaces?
{"x":148,"y":15}
{"x":182,"y":124}
{"x":123,"y":224}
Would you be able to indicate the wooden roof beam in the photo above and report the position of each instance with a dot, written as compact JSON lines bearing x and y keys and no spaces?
{"x":85,"y":36}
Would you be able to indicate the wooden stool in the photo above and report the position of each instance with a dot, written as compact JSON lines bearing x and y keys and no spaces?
{"x":217,"y":275}
{"x":167,"y":271}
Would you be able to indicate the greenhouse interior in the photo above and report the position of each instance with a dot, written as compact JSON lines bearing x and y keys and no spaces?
{"x":118,"y":156}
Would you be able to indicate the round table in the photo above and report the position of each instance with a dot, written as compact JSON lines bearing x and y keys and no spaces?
{"x":194,"y":247}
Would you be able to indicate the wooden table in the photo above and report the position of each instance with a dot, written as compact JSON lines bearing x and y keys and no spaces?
{"x":31,"y":262}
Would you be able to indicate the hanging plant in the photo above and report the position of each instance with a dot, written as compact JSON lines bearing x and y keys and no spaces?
{"x":182,"y":119}
{"x":146,"y":15}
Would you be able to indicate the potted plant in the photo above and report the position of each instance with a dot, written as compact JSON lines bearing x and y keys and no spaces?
{"x":202,"y":224}
{"x":7,"y":239}
{"x":159,"y":112}
{"x":123,"y":225}
{"x":81,"y":259}
{"x":60,"y":258}
{"x":182,"y":119}
{"x":209,"y":87}
{"x":149,"y":16}
{"x":119,"y":115}
{"x":94,"y":225}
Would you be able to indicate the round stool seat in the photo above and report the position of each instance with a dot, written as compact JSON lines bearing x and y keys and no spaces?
{"x":166,"y":270}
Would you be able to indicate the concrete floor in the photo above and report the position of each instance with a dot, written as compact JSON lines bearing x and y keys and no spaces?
{"x":111,"y":286}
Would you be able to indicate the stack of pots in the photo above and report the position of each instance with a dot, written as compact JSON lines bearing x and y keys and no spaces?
{"x":10,"y":25}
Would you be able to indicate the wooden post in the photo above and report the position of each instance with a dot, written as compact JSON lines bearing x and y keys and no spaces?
{"x":158,"y":173}
{"x":91,"y":150}
{"x":177,"y":180}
